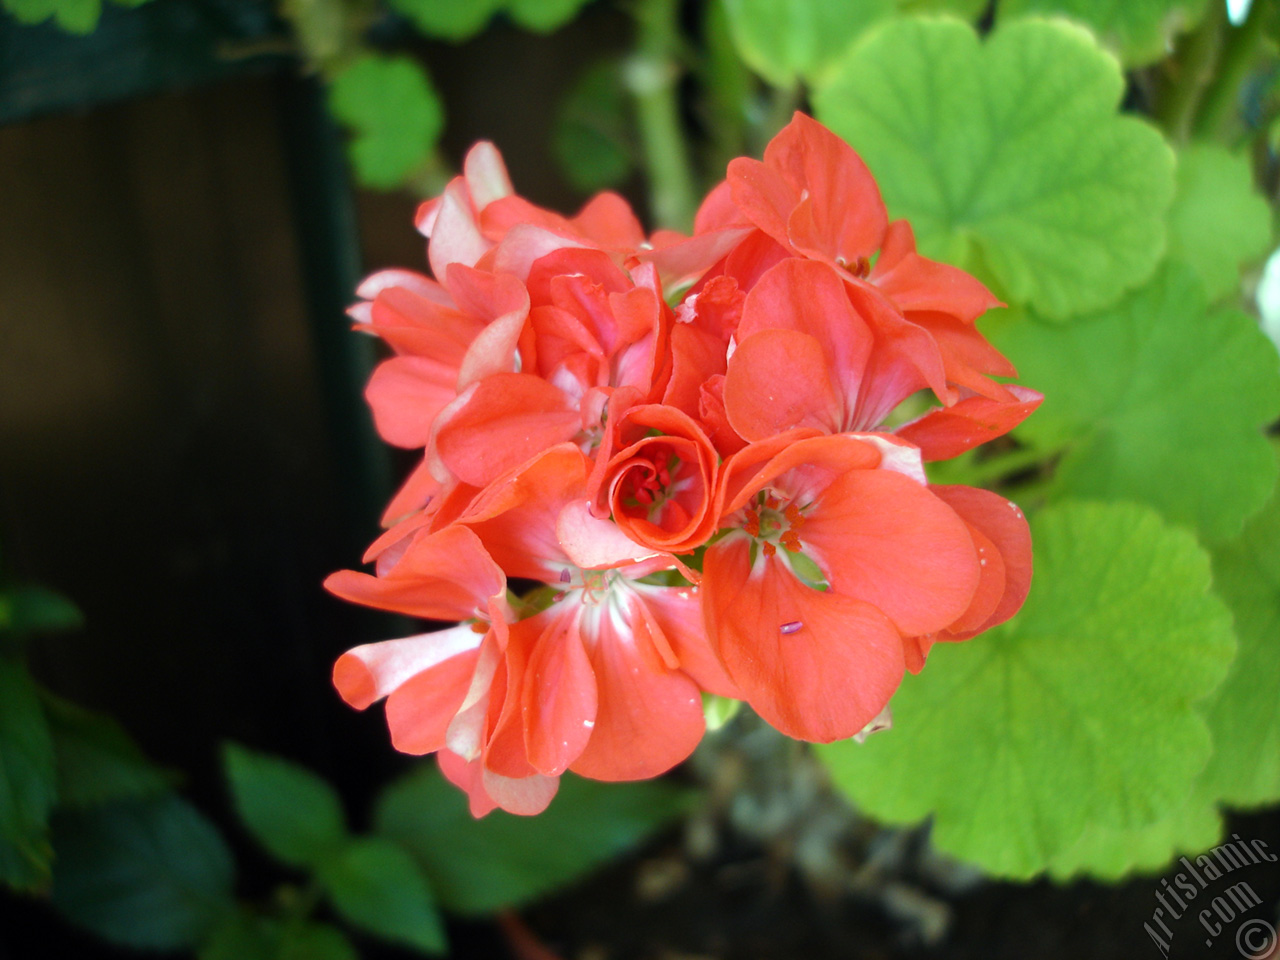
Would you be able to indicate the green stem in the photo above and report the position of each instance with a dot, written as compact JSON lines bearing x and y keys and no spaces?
{"x":1237,"y":58}
{"x":653,"y":76}
{"x":1196,"y":64}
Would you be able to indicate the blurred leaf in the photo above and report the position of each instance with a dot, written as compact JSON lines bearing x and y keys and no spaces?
{"x":244,"y":935}
{"x":320,"y":25}
{"x":1140,"y":31}
{"x":454,"y":20}
{"x":544,"y":16}
{"x":27,"y":779}
{"x":1109,"y":853}
{"x":1008,"y":157}
{"x":376,"y":886}
{"x":801,"y":39}
{"x":1218,"y":221}
{"x":97,"y":761}
{"x":1244,"y":714}
{"x":33,"y":609}
{"x":1077,"y":712}
{"x":592,"y":134}
{"x":292,"y":812}
{"x":966,"y":9}
{"x":1158,"y":400}
{"x":502,"y":860}
{"x":150,"y":874}
{"x":74,"y":16}
{"x":396,"y":116}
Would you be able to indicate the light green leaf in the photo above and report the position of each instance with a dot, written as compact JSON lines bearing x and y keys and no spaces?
{"x":1109,"y":853}
{"x":376,"y":886}
{"x":292,"y":812}
{"x":1009,"y":157}
{"x":97,"y":761}
{"x":1078,"y":712}
{"x":1244,"y":714}
{"x":395,"y":114}
{"x":544,"y":16}
{"x":592,"y":135}
{"x":1218,"y":222}
{"x":479,"y":866}
{"x":1141,"y":31}
{"x":151,"y":874}
{"x":800,"y":39}
{"x":967,"y":9}
{"x":1157,"y":400}
{"x":74,"y":16}
{"x":27,"y":780}
{"x":448,"y":19}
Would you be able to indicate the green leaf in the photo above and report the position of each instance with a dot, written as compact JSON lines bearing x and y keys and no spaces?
{"x":448,"y":19}
{"x":1009,"y":157}
{"x":292,"y":812}
{"x":395,"y":114}
{"x":27,"y":779}
{"x":1078,"y":712}
{"x":245,"y":935}
{"x":1157,"y":400}
{"x":1108,"y":853}
{"x":1141,"y":31}
{"x":479,"y":866}
{"x":150,"y":874}
{"x":1218,"y":222}
{"x":544,"y":16}
{"x":1244,"y":714}
{"x":801,"y":39}
{"x":74,"y":16}
{"x":34,"y":609}
{"x":966,"y":9}
{"x":97,"y":761}
{"x":591,"y":138}
{"x":376,"y":886}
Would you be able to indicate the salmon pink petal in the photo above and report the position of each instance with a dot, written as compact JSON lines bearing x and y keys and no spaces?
{"x":559,"y":696}
{"x":1005,"y":527}
{"x":886,"y":540}
{"x":410,"y":280}
{"x":676,"y":613}
{"x":524,"y":796}
{"x":950,"y":431}
{"x":486,"y":174}
{"x":608,"y":221}
{"x":763,"y":196}
{"x":649,"y":716}
{"x":414,"y":494}
{"x":680,"y":264}
{"x":420,"y":709}
{"x":525,"y":244}
{"x":991,"y":586}
{"x":916,"y":650}
{"x":905,"y":359}
{"x":455,"y":237}
{"x":370,"y":672}
{"x":717,"y":211}
{"x":842,"y":216}
{"x":596,"y":544}
{"x":696,"y":355}
{"x":778,"y":380}
{"x":406,"y":393}
{"x":914,"y":282}
{"x":966,"y":355}
{"x":469,"y":778}
{"x":506,"y":419}
{"x":817,"y":666}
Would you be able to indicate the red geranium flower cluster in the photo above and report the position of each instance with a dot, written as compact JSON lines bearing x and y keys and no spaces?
{"x":684,"y":440}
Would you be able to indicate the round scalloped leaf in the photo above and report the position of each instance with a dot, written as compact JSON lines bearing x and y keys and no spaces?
{"x":1157,"y":399}
{"x":1078,"y":712}
{"x":1008,"y":157}
{"x":1244,"y":714}
{"x":1141,"y":31}
{"x":1218,"y":221}
{"x":784,"y":42}
{"x":1110,"y":854}
{"x":448,"y":19}
{"x":543,"y":16}
{"x":395,"y":114}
